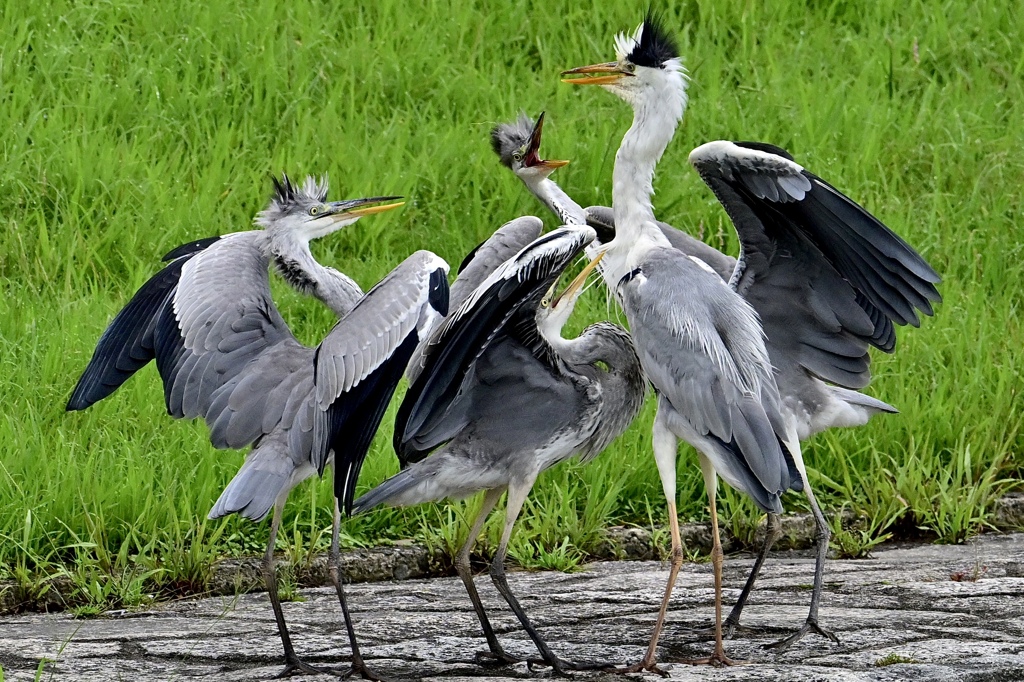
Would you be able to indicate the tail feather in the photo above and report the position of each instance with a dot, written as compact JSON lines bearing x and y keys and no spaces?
{"x":388,"y":491}
{"x":869,"y":404}
{"x":252,"y":493}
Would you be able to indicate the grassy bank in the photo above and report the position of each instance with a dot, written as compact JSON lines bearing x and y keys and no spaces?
{"x":128,"y":128}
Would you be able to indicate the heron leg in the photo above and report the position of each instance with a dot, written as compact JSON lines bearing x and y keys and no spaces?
{"x":732,"y":622}
{"x":822,"y":536}
{"x":665,"y":446}
{"x":497,"y":654}
{"x":358,"y":666}
{"x":517,"y":492}
{"x":293,"y":665}
{"x":718,"y":657}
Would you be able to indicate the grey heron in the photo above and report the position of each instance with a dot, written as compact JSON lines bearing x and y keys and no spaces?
{"x":779,"y":300}
{"x":855,"y":275}
{"x":502,"y":396}
{"x":225,"y":354}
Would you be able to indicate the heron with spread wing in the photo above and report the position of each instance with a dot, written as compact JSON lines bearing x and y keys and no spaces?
{"x":501,"y":396}
{"x":699,"y":338}
{"x":224,"y":353}
{"x":784,"y":304}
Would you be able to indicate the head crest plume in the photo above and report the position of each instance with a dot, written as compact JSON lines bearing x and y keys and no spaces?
{"x":506,"y":138}
{"x":288,"y":196}
{"x":650,"y":45}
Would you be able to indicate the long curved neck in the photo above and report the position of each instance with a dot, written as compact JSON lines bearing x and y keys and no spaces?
{"x":558,"y":202}
{"x":622,"y":385}
{"x":654,"y":124}
{"x":294,"y":261}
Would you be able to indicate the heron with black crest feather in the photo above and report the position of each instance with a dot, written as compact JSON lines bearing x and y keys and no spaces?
{"x":224,"y":353}
{"x":700,"y":338}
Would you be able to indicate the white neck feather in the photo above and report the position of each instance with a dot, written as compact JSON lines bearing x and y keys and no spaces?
{"x":656,"y":113}
{"x":289,"y":253}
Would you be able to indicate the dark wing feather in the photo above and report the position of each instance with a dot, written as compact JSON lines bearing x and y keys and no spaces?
{"x":827,"y":279}
{"x":128,"y":344}
{"x":430,"y":414}
{"x":352,"y":421}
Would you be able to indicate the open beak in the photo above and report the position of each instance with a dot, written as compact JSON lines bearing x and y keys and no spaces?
{"x":580,"y":280}
{"x":357,"y":208}
{"x":533,"y":151}
{"x":612,"y":73}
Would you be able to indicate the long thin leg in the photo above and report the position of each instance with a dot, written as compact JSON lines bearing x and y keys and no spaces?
{"x":665,"y":446}
{"x":517,"y":492}
{"x":773,"y":532}
{"x":718,"y":658}
{"x":822,"y":536}
{"x":334,"y":570}
{"x":292,"y":664}
{"x":462,"y":565}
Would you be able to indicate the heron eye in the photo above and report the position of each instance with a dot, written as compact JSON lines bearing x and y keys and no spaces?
{"x":545,"y":302}
{"x":314,"y":211}
{"x":517,"y":157}
{"x":630,"y":67}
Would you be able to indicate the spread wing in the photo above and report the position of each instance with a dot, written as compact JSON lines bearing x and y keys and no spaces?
{"x":503,"y":305}
{"x":358,"y":365}
{"x":825,"y":276}
{"x":222,"y":349}
{"x":507,"y":241}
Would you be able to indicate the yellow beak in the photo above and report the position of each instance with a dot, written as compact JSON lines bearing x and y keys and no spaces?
{"x":580,"y":279}
{"x":613,"y":73}
{"x":370,"y":210}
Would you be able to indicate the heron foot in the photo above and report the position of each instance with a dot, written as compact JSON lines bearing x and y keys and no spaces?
{"x":563,"y":668}
{"x":494,"y":658}
{"x":715,"y":660}
{"x":808,"y":627}
{"x":359,"y":668}
{"x":642,"y":666}
{"x":294,"y":666}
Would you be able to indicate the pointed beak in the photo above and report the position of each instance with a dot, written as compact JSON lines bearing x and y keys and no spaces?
{"x":612,"y":73}
{"x":580,"y":280}
{"x":357,"y":208}
{"x":533,"y":151}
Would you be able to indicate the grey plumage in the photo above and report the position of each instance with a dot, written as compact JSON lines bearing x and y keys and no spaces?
{"x":505,"y":243}
{"x":502,"y":397}
{"x":225,"y":354}
{"x":510,"y":141}
{"x":827,"y":278}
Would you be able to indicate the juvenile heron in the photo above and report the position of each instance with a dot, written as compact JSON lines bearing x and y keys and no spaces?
{"x":505,"y":397}
{"x":224,"y":353}
{"x":699,"y":341}
{"x":785,"y":305}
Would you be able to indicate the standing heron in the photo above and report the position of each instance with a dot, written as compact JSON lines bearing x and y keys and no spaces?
{"x":700,"y":342}
{"x":504,"y":397}
{"x":224,"y":353}
{"x":785,"y":299}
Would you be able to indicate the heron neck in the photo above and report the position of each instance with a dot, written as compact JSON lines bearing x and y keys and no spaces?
{"x":295,"y":263}
{"x":633,"y":176}
{"x":558,"y":202}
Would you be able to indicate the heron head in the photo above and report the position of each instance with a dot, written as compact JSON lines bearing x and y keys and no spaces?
{"x":517,"y":144}
{"x":554,"y":310}
{"x":305,"y":210}
{"x":646,"y":64}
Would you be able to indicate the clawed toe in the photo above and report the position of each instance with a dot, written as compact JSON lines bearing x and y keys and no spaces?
{"x":643,"y":666}
{"x":294,"y":666}
{"x":808,"y":627}
{"x":491,"y":658}
{"x":359,"y":669}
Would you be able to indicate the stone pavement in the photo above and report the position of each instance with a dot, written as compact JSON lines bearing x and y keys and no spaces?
{"x":921,"y":612}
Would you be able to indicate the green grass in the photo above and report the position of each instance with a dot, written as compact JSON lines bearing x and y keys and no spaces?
{"x":127,"y":128}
